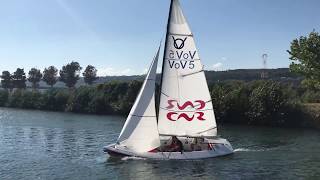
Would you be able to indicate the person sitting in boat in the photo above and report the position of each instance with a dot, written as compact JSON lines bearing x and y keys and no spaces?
{"x":196,"y":144}
{"x":175,"y":146}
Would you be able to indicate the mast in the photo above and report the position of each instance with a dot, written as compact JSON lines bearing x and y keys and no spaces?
{"x":164,"y":54}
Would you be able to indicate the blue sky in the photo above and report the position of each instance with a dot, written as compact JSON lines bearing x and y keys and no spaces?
{"x":121,"y":37}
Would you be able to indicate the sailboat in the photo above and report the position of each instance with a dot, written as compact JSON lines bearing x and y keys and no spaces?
{"x":185,"y":110}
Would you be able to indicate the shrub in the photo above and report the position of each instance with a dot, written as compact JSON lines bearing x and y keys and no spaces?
{"x":4,"y":95}
{"x":268,"y":104}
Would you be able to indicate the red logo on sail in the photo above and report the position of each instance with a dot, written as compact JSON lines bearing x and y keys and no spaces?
{"x":197,"y":105}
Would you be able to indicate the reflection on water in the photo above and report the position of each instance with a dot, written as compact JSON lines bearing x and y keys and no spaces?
{"x":48,"y":145}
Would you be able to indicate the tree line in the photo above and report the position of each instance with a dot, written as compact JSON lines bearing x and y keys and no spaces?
{"x":109,"y":98}
{"x":69,"y":75}
{"x":260,"y":102}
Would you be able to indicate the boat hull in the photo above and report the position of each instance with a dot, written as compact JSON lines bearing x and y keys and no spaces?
{"x":221,"y":147}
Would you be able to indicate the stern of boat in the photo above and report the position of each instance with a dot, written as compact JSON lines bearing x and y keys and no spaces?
{"x":114,"y":150}
{"x":221,"y":143}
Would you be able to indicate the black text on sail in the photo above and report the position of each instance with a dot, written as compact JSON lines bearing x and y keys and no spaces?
{"x":179,"y":58}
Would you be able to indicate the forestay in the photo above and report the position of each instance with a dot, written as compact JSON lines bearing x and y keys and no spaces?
{"x":185,"y":102}
{"x":140,"y":132}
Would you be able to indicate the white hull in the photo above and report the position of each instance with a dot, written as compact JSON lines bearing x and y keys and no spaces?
{"x":221,"y":147}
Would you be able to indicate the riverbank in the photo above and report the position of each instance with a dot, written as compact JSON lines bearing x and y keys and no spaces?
{"x":261,"y":103}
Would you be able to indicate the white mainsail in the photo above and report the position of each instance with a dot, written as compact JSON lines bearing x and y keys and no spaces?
{"x":140,"y":132}
{"x":185,"y":102}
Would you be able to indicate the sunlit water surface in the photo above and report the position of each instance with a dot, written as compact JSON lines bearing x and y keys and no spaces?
{"x":49,"y":145}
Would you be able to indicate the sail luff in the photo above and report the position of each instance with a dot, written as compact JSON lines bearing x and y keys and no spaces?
{"x":165,"y":47}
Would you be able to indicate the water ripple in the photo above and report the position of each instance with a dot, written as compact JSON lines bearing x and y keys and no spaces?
{"x":47,"y":145}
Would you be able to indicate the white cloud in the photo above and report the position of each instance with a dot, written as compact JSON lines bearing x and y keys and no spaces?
{"x":126,"y":72}
{"x":104,"y":71}
{"x":145,"y":71}
{"x":218,"y":66}
{"x":109,"y":71}
{"x":224,"y":59}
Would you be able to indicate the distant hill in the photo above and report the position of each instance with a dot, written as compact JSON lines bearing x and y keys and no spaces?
{"x":280,"y":74}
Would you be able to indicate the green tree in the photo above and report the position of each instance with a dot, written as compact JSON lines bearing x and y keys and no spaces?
{"x":90,"y":74}
{"x":50,"y":75}
{"x":218,"y":95}
{"x":305,"y":54}
{"x":34,"y":77}
{"x":268,"y":104}
{"x":61,"y":99}
{"x":19,"y":79}
{"x":80,"y":99}
{"x":237,"y":102}
{"x":6,"y":81}
{"x":127,"y":99}
{"x":69,"y":74}
{"x":15,"y":99}
{"x":30,"y":100}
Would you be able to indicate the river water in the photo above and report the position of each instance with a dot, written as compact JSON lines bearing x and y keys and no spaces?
{"x":50,"y":145}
